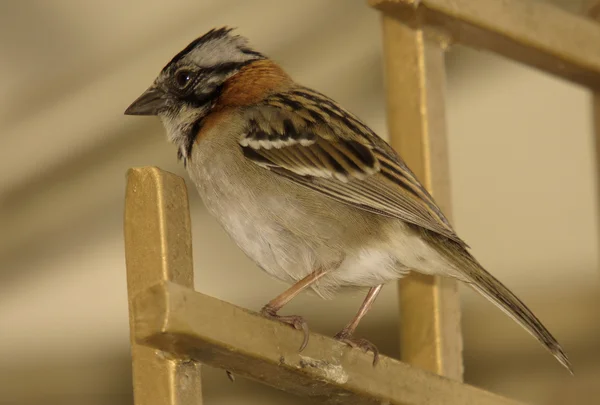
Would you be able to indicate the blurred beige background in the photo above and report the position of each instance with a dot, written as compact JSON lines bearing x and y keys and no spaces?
{"x":523,"y":181}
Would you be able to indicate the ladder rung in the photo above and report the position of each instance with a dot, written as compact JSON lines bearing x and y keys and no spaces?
{"x":184,"y":323}
{"x":535,"y":33}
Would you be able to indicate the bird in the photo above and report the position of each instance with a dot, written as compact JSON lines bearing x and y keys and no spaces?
{"x":305,"y":188}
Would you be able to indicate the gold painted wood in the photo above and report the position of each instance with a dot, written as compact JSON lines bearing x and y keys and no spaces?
{"x":158,"y":248}
{"x":592,"y":9}
{"x":532,"y":32}
{"x":430,"y":334}
{"x":581,"y":7}
{"x":190,"y":325}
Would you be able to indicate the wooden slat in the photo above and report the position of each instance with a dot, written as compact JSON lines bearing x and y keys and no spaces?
{"x":582,"y":7}
{"x":195,"y":327}
{"x":415,"y":84}
{"x":593,"y":11}
{"x":532,"y":32}
{"x":158,"y":248}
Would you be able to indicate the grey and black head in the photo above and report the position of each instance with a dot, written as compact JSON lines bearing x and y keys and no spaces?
{"x":188,"y":86}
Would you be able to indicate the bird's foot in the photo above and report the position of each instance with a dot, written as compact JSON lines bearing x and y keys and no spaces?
{"x":297,"y":322}
{"x":346,"y":337}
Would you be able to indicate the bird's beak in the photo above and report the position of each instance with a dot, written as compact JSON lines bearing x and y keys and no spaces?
{"x":149,"y":103}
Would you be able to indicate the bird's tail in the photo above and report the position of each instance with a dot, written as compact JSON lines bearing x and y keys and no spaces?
{"x":495,"y":291}
{"x":491,"y":288}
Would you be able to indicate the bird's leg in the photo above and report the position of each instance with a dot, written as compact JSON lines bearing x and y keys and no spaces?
{"x":345,"y":335}
{"x":270,"y":310}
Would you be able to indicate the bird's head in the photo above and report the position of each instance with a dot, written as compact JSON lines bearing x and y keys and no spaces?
{"x":187,"y":88}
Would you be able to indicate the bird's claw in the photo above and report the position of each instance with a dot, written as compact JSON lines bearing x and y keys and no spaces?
{"x":296,"y":321}
{"x":360,"y":343}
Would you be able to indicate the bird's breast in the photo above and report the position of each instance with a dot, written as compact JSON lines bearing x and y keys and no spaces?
{"x":288,"y":230}
{"x":247,"y":203}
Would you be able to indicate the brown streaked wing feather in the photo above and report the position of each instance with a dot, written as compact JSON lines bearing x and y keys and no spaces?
{"x":394,"y":168}
{"x":304,"y":150}
{"x":337,"y":155}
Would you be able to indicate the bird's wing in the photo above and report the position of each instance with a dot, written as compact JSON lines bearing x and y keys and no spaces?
{"x":309,"y":139}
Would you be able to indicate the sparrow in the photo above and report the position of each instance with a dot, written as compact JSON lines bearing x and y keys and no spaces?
{"x":308,"y":191}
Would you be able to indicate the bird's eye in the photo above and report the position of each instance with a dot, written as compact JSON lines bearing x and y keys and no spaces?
{"x":183,"y":78}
